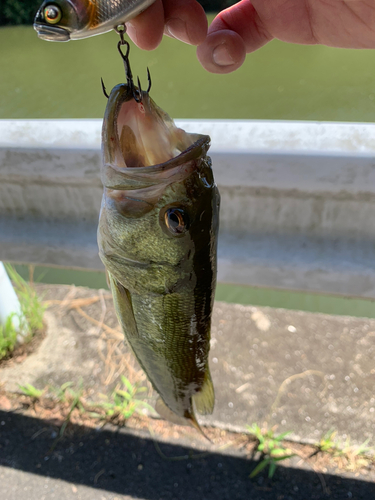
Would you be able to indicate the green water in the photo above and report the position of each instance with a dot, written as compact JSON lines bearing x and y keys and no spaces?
{"x":41,"y":79}
{"x":235,"y":294}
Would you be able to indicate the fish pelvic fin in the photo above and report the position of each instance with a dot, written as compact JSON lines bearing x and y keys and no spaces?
{"x":108,"y":279}
{"x":123,"y":306}
{"x":204,"y":400}
{"x":169,"y":415}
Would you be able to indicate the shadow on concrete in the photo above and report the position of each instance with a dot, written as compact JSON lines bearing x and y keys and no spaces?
{"x":123,"y":463}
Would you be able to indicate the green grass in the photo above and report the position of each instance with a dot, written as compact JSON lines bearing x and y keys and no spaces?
{"x":271,"y":448}
{"x":30,"y":319}
{"x":8,"y":337}
{"x":63,"y":392}
{"x":31,"y":391}
{"x":124,"y":402}
{"x":120,"y":405}
{"x":329,"y":444}
{"x":31,"y":307}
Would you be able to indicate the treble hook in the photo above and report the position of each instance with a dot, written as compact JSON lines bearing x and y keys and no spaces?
{"x":137,"y":94}
{"x":125,"y":57}
{"x":149,"y":80}
{"x":138,"y":97}
{"x":121,"y":30}
{"x":104,"y":89}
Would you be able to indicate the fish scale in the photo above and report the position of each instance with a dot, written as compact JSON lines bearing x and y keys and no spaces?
{"x":106,"y":10}
{"x":177,"y":356}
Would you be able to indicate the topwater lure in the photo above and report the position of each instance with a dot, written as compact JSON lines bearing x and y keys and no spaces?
{"x":64,"y":20}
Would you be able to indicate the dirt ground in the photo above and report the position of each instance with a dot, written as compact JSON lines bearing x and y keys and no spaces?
{"x":91,"y":313}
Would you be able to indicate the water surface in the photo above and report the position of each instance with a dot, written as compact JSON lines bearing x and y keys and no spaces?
{"x":41,"y":79}
{"x":236,"y":294}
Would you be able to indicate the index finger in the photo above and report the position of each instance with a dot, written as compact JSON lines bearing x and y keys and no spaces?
{"x":184,"y":20}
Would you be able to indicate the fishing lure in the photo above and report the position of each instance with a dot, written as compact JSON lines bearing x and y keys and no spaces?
{"x":64,"y":20}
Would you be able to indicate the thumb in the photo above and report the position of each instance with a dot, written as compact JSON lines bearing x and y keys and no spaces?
{"x":233,"y":33}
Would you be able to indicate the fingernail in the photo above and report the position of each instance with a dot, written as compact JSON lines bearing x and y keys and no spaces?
{"x":221,"y":55}
{"x":176,"y":28}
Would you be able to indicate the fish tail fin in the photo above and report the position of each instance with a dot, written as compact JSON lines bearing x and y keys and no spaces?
{"x":194,"y":423}
{"x":204,"y":400}
{"x":188,"y":419}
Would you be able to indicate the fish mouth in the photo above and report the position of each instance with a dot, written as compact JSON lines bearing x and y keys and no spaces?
{"x":127,"y":164}
{"x":140,"y":135}
{"x":52,"y":33}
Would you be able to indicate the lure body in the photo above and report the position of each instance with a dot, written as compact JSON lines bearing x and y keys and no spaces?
{"x":64,"y":20}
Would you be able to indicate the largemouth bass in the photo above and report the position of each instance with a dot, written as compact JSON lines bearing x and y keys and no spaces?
{"x":64,"y":20}
{"x":157,"y":238}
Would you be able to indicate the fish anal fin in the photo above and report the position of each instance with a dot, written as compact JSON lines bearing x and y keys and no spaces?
{"x":169,"y":415}
{"x":204,"y":400}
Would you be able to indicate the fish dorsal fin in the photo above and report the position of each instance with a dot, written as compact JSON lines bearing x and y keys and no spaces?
{"x":204,"y":400}
{"x":124,"y":307}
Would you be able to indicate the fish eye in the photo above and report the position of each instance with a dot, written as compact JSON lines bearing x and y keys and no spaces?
{"x":52,"y":14}
{"x":176,"y":220}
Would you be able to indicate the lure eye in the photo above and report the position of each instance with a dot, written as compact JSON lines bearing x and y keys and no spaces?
{"x":176,"y":220}
{"x":52,"y":14}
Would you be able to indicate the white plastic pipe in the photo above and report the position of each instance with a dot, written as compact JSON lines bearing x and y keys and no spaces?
{"x":9,"y":303}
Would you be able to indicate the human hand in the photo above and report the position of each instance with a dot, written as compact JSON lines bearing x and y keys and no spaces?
{"x":247,"y":26}
{"x":181,"y":19}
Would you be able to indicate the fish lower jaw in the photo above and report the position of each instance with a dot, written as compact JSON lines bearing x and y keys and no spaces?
{"x":52,"y":33}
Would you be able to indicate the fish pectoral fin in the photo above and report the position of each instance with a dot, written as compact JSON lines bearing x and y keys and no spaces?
{"x":204,"y":400}
{"x":124,"y":307}
{"x":107,"y":278}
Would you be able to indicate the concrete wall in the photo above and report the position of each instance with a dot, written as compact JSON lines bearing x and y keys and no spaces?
{"x":298,"y":199}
